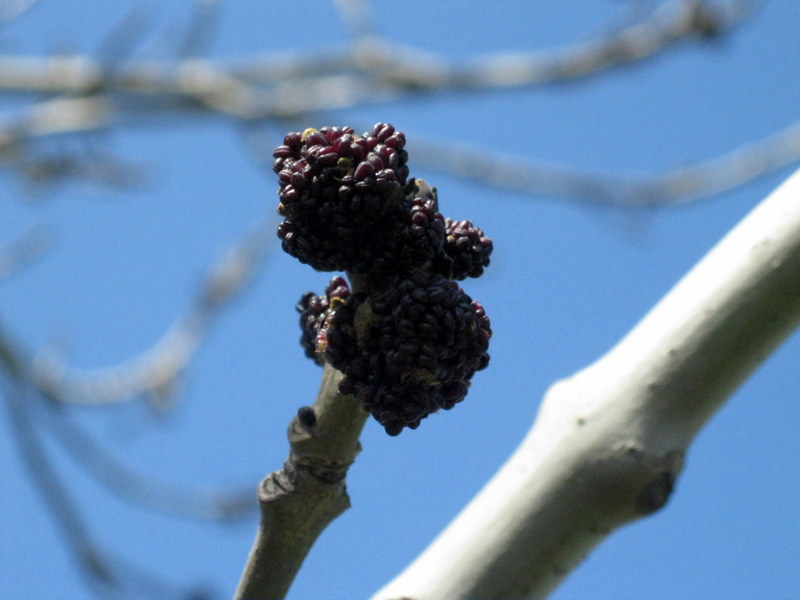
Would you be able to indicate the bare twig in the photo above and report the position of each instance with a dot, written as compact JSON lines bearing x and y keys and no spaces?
{"x":144,"y":491}
{"x":539,"y":178}
{"x":11,"y":10}
{"x":357,"y":18}
{"x":372,"y":70}
{"x":376,"y":70}
{"x":158,"y":369}
{"x":59,"y":116}
{"x":219,"y":505}
{"x":201,"y":29}
{"x":309,"y":492}
{"x":672,"y":22}
{"x":102,"y":569}
{"x":26,"y":249}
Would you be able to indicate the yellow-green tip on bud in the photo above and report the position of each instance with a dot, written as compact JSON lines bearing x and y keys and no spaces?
{"x":307,"y":133}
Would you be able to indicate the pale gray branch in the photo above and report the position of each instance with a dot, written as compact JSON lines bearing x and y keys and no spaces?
{"x":608,"y":442}
{"x":539,"y":178}
{"x":24,"y":251}
{"x":374,"y":70}
{"x":156,"y":371}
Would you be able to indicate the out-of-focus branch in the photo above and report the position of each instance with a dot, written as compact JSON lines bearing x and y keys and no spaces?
{"x":23,"y":251}
{"x":106,"y":572}
{"x":14,"y":9}
{"x":157,"y":370}
{"x":357,"y":18}
{"x":144,"y":491}
{"x":91,"y":94}
{"x":372,"y":70}
{"x":670,"y":23}
{"x":539,"y":178}
{"x":60,"y":116}
{"x":216,"y":505}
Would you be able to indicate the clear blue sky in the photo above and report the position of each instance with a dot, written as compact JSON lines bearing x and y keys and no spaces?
{"x":566,"y":282}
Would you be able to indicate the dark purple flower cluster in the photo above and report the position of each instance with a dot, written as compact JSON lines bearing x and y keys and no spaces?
{"x":411,"y":240}
{"x":409,"y":349}
{"x":410,"y":344}
{"x":338,"y":192}
{"x":467,"y":250}
{"x":315,"y":311}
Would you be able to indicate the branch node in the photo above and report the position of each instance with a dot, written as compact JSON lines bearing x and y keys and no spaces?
{"x":658,"y":490}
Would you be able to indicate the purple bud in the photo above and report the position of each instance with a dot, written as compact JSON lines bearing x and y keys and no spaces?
{"x":283,"y":152}
{"x":293,"y":140}
{"x":363,"y":171}
{"x":382,"y":131}
{"x":343,"y":144}
{"x":327,"y":157}
{"x":316,"y":139}
{"x":358,"y":151}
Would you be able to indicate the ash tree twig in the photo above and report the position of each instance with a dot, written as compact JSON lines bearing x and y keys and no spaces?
{"x":401,"y":342}
{"x":374,"y":70}
{"x":183,"y":501}
{"x":96,"y":459}
{"x":108,"y":574}
{"x":24,"y":251}
{"x":671,"y":22}
{"x":300,"y":500}
{"x":93,"y":94}
{"x":156,"y":371}
{"x":539,"y":178}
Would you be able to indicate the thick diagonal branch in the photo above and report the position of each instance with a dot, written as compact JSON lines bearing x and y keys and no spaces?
{"x":608,"y":442}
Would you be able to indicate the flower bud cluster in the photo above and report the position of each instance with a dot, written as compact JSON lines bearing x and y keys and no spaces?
{"x":409,"y":349}
{"x":338,"y":192}
{"x":467,"y":250}
{"x":315,"y":310}
{"x":409,"y":344}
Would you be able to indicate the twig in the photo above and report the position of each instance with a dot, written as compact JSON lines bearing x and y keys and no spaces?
{"x":157,"y":369}
{"x":357,"y":18}
{"x":376,"y":70}
{"x":201,"y":30}
{"x":301,"y":499}
{"x":103,"y":570}
{"x":114,"y":475}
{"x":539,"y":178}
{"x":141,"y":490}
{"x":11,"y":10}
{"x":670,"y":23}
{"x":23,"y":251}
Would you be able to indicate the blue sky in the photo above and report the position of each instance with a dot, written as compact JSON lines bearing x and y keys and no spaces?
{"x":567,"y":280}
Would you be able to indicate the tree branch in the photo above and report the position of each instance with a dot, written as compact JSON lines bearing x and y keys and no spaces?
{"x":309,"y":492}
{"x":609,"y":441}
{"x":156,"y":370}
{"x":373,"y":70}
{"x":540,"y":178}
